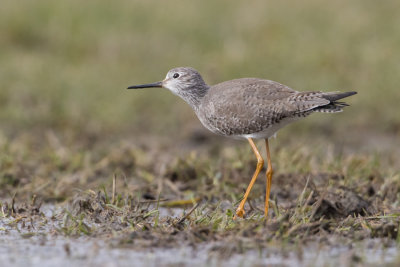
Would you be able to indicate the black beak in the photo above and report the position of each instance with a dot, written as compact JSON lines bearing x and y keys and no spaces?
{"x":149,"y":85}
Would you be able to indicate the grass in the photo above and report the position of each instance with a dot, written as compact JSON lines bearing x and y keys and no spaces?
{"x":68,"y":126}
{"x":69,"y":63}
{"x":335,"y":188}
{"x":133,"y":197}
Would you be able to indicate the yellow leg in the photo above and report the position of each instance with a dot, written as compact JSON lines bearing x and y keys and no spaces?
{"x":260,"y":164}
{"x":269,"y":178}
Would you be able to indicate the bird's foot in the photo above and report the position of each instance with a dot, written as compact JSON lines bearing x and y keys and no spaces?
{"x":239,"y":212}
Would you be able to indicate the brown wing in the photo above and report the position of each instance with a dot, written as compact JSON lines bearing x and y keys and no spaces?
{"x":250,"y":105}
{"x":246,"y":106}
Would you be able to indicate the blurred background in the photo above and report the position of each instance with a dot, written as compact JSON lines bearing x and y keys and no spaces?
{"x":64,"y":65}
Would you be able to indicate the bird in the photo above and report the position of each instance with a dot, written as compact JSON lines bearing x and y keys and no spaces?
{"x":247,"y":108}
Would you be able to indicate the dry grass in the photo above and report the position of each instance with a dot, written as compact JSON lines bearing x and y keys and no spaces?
{"x":128,"y":192}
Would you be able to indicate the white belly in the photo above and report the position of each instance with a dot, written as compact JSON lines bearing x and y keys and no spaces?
{"x":271,"y":131}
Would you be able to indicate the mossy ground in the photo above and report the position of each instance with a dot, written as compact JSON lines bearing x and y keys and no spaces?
{"x":146,"y":197}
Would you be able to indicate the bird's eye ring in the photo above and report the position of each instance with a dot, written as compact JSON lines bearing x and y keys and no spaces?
{"x":176,"y":75}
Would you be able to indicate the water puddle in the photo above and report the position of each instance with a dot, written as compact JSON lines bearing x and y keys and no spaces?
{"x":44,"y":247}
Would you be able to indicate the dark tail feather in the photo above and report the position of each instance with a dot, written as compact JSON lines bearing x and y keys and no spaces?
{"x":334,"y":106}
{"x":336,"y":96}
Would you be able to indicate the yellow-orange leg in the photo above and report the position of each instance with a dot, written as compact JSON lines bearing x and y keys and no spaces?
{"x":260,"y":164}
{"x":269,"y":178}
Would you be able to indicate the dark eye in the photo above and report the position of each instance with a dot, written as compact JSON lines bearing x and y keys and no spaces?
{"x":176,"y":75}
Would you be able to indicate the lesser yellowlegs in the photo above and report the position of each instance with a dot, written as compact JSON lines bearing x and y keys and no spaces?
{"x":247,"y":108}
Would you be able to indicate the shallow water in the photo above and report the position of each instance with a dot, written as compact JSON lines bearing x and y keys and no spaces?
{"x":60,"y":251}
{"x":19,"y":247}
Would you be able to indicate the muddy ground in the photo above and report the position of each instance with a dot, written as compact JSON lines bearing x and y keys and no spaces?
{"x":151,"y":202}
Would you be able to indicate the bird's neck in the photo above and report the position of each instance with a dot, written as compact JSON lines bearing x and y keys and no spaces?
{"x":193,"y":96}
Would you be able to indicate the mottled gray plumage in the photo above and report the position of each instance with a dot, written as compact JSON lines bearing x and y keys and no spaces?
{"x":247,"y":107}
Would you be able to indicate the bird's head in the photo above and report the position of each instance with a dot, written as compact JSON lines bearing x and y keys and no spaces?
{"x":185,"y":82}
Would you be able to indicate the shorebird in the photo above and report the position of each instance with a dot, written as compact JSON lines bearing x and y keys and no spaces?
{"x":249,"y":108}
